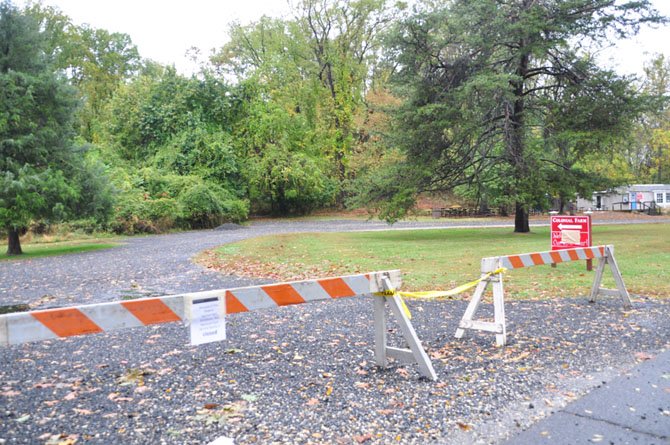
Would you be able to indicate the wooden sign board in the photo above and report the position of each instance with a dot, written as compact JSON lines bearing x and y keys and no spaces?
{"x":569,"y":232}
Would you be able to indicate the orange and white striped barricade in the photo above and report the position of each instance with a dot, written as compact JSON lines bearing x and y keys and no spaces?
{"x":492,"y":269}
{"x":22,"y":327}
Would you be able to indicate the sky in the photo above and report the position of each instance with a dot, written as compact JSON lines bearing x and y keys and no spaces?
{"x":164,"y":30}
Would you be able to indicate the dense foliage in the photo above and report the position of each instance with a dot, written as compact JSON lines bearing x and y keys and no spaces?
{"x":358,"y":102}
{"x":43,"y":175}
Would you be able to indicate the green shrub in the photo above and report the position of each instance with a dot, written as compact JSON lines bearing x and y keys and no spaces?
{"x":207,"y":205}
{"x":236,"y":210}
{"x":156,"y":202}
{"x":290,"y":183}
{"x":203,"y":152}
{"x":163,"y":213}
{"x":161,"y":184}
{"x":139,"y":213}
{"x":84,"y":225}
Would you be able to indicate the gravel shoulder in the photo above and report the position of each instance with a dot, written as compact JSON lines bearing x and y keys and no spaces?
{"x":300,"y":374}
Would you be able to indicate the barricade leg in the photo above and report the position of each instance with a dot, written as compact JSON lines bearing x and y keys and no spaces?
{"x":621,"y":290}
{"x":499,"y":309}
{"x":618,"y":279}
{"x":472,"y":308}
{"x":415,"y":353}
{"x":498,"y":326}
{"x":380,"y":331}
{"x":597,"y":279}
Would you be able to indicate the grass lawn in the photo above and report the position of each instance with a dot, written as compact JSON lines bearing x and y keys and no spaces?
{"x":442,"y":259}
{"x":55,"y":248}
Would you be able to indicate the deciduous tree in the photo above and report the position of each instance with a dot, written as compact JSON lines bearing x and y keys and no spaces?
{"x":94,"y":60}
{"x":318,"y":65}
{"x":655,"y":140}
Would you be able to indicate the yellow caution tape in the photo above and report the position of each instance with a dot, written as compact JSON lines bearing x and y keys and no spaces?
{"x":433,"y":295}
{"x":405,"y":309}
{"x":391,"y":293}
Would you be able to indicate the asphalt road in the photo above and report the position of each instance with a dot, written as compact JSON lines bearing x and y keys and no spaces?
{"x":300,"y":374}
{"x":633,"y":408}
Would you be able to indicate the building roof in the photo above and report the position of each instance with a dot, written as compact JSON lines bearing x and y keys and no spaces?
{"x":635,"y":188}
{"x":648,"y":187}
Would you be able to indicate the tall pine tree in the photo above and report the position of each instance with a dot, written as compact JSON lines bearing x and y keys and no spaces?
{"x":483,"y":76}
{"x":36,"y":110}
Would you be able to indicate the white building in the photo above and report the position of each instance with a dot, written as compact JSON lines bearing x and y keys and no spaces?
{"x":636,"y":197}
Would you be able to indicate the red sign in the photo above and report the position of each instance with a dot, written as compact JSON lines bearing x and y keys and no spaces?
{"x":568,"y":232}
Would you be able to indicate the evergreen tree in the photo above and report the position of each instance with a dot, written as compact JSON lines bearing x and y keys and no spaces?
{"x":37,"y":158}
{"x":488,"y":82}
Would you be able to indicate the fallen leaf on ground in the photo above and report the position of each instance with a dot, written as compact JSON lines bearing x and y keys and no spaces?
{"x":24,"y":418}
{"x":403,"y":372}
{"x":142,"y":389}
{"x":643,"y":356}
{"x":519,"y":357}
{"x":249,"y":397}
{"x":10,"y":393}
{"x":363,"y":438}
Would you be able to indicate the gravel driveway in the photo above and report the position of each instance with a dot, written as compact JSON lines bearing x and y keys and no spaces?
{"x":299,"y":374}
{"x":155,"y":265}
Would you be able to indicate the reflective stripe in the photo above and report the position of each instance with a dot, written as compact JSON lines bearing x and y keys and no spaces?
{"x":283,"y":294}
{"x":66,"y":322}
{"x":360,"y":284}
{"x":526,"y":260}
{"x":24,"y":327}
{"x":536,"y":259}
{"x":336,"y":288}
{"x":111,"y":316}
{"x":150,"y":311}
{"x":311,"y":291}
{"x":253,"y":298}
{"x":233,"y":305}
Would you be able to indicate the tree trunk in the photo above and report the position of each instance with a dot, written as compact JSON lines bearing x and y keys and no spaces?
{"x":13,"y":242}
{"x":516,"y":137}
{"x":341,"y":175}
{"x":521,"y":224}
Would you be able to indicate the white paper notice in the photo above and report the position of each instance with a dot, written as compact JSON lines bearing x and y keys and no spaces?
{"x":208,"y":320}
{"x":570,"y":236}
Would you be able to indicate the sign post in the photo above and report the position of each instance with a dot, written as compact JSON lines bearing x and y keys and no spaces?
{"x":569,"y":232}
